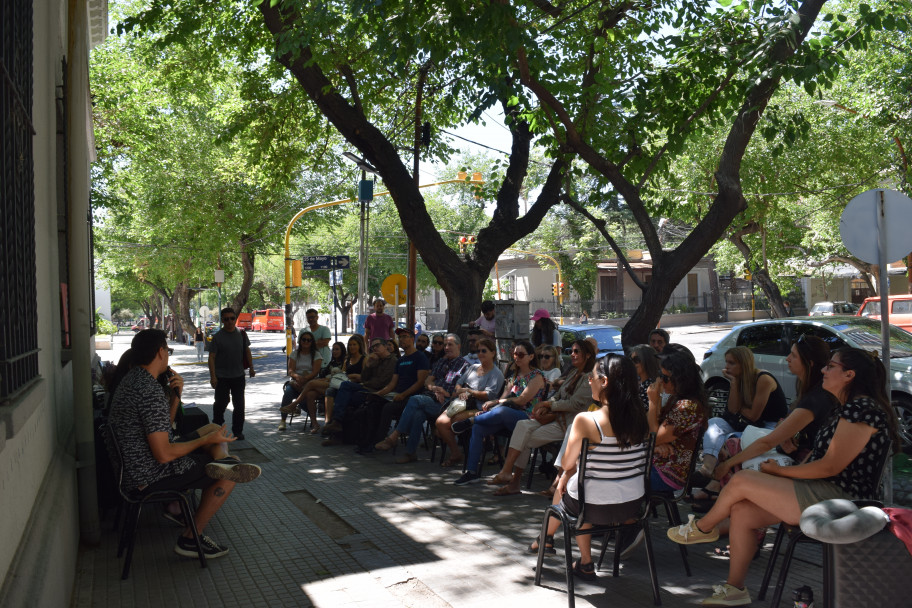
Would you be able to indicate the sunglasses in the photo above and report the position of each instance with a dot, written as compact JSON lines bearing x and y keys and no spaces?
{"x":635,"y":359}
{"x":306,"y":339}
{"x":483,"y":350}
{"x":436,"y":342}
{"x":831,"y":364}
{"x":546,"y":357}
{"x":519,"y":355}
{"x":227,"y":319}
{"x":665,"y":377}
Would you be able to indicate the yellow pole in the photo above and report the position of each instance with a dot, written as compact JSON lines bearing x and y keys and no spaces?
{"x":497,"y":276}
{"x":298,"y":215}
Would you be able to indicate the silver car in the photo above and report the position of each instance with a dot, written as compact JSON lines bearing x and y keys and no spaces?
{"x":770,"y":342}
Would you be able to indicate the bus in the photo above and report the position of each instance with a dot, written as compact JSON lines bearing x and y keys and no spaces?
{"x":272,"y":319}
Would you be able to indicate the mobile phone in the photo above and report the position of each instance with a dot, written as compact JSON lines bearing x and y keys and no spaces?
{"x":170,"y":374}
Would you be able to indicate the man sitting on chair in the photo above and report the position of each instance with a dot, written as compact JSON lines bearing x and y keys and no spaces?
{"x":153,"y":459}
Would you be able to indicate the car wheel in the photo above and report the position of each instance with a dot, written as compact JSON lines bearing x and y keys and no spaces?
{"x":903,"y":406}
{"x":717,"y":393}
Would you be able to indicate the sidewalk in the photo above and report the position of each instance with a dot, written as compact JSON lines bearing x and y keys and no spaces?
{"x":327,"y":527}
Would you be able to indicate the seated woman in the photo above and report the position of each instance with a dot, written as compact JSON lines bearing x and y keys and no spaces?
{"x":317,"y":387}
{"x":478,"y":384}
{"x":549,"y":359}
{"x":646,"y":360}
{"x":621,"y":422}
{"x":550,"y":419}
{"x":303,"y":366}
{"x":352,"y":366}
{"x":521,"y":394}
{"x":852,"y":444}
{"x":795,"y":434}
{"x":754,"y":398}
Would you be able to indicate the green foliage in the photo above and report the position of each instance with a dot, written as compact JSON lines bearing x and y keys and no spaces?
{"x":104,"y":326}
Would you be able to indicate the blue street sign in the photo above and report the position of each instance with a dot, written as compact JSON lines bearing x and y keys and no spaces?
{"x":324,"y":262}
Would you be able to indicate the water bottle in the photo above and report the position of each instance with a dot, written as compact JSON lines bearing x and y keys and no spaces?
{"x":803,"y":597}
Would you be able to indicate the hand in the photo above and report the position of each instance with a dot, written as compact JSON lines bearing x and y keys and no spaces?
{"x":222,"y":435}
{"x":176,"y":383}
{"x":213,"y":381}
{"x":727,"y":375}
{"x":400,"y":397}
{"x":664,"y":450}
{"x":654,"y":392}
{"x":252,"y":372}
{"x":488,"y":405}
{"x":561,"y":488}
{"x":770,"y":466}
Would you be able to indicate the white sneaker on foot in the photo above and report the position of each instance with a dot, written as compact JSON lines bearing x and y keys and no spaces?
{"x":690,"y":534}
{"x":728,"y":595}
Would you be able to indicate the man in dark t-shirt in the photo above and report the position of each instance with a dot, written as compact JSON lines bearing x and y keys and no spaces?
{"x":229,"y":349}
{"x":153,"y":459}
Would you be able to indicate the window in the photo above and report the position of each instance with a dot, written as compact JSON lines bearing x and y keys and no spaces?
{"x":824,"y":333}
{"x":18,"y":299}
{"x":902,"y":307}
{"x":765,"y":339}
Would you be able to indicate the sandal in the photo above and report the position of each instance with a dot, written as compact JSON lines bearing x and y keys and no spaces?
{"x":452,"y":461}
{"x":497,"y":480}
{"x":315,"y":429}
{"x":549,"y":546}
{"x":584,"y":571}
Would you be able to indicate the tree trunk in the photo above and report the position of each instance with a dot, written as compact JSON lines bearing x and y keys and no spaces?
{"x":247,"y":258}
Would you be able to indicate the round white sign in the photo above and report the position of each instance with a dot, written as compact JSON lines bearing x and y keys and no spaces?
{"x":858,"y":225}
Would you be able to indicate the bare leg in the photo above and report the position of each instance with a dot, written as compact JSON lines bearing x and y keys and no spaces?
{"x":584,"y":543}
{"x":445,"y":432}
{"x":328,"y":401}
{"x":509,"y":461}
{"x":776,"y":495}
{"x":742,"y":537}
{"x":212,"y":500}
{"x":311,"y":396}
{"x":217,"y":450}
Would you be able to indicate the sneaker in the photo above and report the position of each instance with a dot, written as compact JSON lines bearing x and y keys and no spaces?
{"x":333,"y":427}
{"x":232,"y":470}
{"x":187,"y":547}
{"x":463,"y":425}
{"x":636,"y":541}
{"x":407,"y":458}
{"x":386,"y":444}
{"x":690,"y":534}
{"x":467,"y":478}
{"x":282,"y":426}
{"x":728,"y":595}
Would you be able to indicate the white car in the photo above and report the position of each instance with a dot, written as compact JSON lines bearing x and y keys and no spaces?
{"x":770,"y":342}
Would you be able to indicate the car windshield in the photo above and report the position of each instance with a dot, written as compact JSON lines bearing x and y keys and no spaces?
{"x":871,"y":308}
{"x":866,"y":334}
{"x":608,"y":339}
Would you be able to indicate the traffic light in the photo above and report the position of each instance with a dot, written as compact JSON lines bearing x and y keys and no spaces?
{"x":471,"y":239}
{"x":563,"y":290}
{"x":462,"y":244}
{"x":554,"y":287}
{"x":296,"y":273}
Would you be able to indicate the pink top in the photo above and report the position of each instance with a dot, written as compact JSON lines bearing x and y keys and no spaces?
{"x":378,"y":326}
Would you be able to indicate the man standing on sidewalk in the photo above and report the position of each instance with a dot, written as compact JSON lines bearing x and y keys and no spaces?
{"x":322,"y":335}
{"x":379,"y":324}
{"x":153,"y":459}
{"x":229,"y":349}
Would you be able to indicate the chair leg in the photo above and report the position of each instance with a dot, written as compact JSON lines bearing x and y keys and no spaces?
{"x":568,"y":558}
{"x":532,"y":467}
{"x":127,"y":526}
{"x":771,"y":564}
{"x":131,"y":541}
{"x":783,"y":570}
{"x":650,"y":559}
{"x":674,"y":519}
{"x":188,"y":517}
{"x":541,"y":547}
{"x":606,"y":540}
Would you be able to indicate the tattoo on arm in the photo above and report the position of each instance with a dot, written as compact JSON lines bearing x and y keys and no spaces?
{"x":220,"y":491}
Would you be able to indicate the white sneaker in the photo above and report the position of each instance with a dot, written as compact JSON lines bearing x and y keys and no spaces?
{"x":282,"y":426}
{"x":728,"y":595}
{"x":689,"y":533}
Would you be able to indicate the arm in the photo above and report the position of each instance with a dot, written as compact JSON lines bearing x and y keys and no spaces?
{"x":583,"y":428}
{"x":577,"y":402}
{"x":212,"y":379}
{"x":848,"y":441}
{"x":786,"y":429}
{"x":164,"y":451}
{"x":313,"y":372}
{"x":414,"y":388}
{"x":654,"y":393}
{"x":389,"y":386}
{"x":734,"y":394}
{"x":176,"y":386}
{"x":765,"y":387}
{"x":250,"y":358}
{"x":530,"y":391}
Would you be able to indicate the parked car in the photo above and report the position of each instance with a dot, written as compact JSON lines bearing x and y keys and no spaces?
{"x":827,"y":309}
{"x":608,"y":336}
{"x":900,"y":310}
{"x":770,"y":342}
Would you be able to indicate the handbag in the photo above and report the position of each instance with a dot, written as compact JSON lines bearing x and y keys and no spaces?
{"x":737,"y":422}
{"x":456,"y":406}
{"x":751,"y":434}
{"x":336,"y":380}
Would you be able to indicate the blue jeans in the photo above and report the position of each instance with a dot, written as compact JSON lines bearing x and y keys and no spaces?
{"x":350,"y":394}
{"x":417,"y":409}
{"x":289,"y":394}
{"x":658,"y":484}
{"x":501,"y":418}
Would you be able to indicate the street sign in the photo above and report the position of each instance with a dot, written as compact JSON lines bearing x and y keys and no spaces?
{"x":324,"y":262}
{"x":859,"y":225}
{"x":335,"y":278}
{"x":393,"y":289}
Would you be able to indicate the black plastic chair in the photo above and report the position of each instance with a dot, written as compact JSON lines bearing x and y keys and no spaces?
{"x":594,"y":466}
{"x":543,"y":451}
{"x":795,"y":536}
{"x":671,"y":499}
{"x":135,"y":499}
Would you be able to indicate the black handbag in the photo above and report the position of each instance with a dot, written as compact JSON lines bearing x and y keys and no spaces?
{"x":736,"y":421}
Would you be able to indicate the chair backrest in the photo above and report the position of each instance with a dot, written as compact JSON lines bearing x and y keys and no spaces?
{"x":608,"y":463}
{"x":692,"y":466}
{"x":116,"y":457}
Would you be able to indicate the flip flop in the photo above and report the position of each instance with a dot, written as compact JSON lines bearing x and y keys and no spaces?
{"x":497,"y":480}
{"x":505,"y":491}
{"x":549,"y":546}
{"x":549,"y":493}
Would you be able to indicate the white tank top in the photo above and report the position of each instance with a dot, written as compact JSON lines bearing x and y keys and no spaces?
{"x":613,"y":462}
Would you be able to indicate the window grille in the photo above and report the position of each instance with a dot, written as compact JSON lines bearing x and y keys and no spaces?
{"x":18,"y":302}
